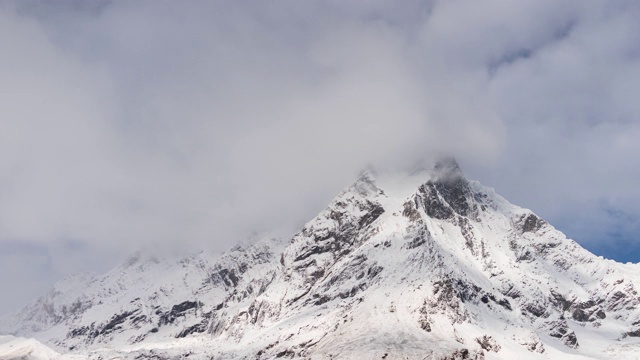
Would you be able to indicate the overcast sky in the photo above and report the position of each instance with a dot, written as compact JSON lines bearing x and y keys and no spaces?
{"x":128,"y":124}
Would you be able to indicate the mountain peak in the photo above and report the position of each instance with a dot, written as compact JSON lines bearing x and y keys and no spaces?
{"x":447,"y":167}
{"x":366,"y":182}
{"x":396,"y":263}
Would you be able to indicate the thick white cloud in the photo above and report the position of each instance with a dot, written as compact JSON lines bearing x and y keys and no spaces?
{"x":124,"y":124}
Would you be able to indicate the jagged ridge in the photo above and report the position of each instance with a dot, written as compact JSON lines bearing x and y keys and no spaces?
{"x":425,"y":265}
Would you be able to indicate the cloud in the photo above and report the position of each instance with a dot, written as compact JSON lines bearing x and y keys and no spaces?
{"x":571,"y":116}
{"x":185,"y":125}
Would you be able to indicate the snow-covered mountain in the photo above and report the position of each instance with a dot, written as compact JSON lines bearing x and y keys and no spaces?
{"x":422,"y":266}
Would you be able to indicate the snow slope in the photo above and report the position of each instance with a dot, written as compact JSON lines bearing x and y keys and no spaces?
{"x":13,"y":348}
{"x":428,"y":265}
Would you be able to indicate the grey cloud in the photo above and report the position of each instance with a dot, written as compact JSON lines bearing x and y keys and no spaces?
{"x":127,"y":124}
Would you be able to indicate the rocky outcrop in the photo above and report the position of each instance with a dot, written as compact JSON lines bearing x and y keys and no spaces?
{"x":560,"y":329}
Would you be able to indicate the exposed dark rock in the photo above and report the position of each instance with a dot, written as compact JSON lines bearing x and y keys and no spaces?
{"x":116,"y":320}
{"x":488,"y":343}
{"x":544,"y":248}
{"x":337,"y":239}
{"x":314,"y":250}
{"x":580,"y":315}
{"x":353,"y":268}
{"x":455,"y":191}
{"x":571,"y":340}
{"x":135,"y":321}
{"x":464,"y":354}
{"x":176,"y":311}
{"x":466,"y":229}
{"x":454,"y":187}
{"x":587,"y":311}
{"x":288,"y":353}
{"x":372,"y":215}
{"x":446,"y":195}
{"x":160,"y":355}
{"x":505,"y":304}
{"x":531,"y":223}
{"x":416,"y":242}
{"x":317,"y":274}
{"x":351,"y":293}
{"x":295,"y":299}
{"x":424,"y":322}
{"x":322,"y":299}
{"x":486,"y":298}
{"x":535,"y":346}
{"x":137,"y":339}
{"x":616,"y":298}
{"x":228,"y":277}
{"x":465,"y":291}
{"x":536,"y":309}
{"x":525,"y":256}
{"x":184,"y":306}
{"x":259,"y":310}
{"x":89,"y":331}
{"x":560,"y":301}
{"x":512,"y":292}
{"x":434,"y":206}
{"x":634,"y":333}
{"x":195,"y":328}
{"x":411,"y":211}
{"x":425,"y":325}
{"x":449,"y":295}
{"x":560,"y":330}
{"x":374,"y":271}
{"x":77,"y":308}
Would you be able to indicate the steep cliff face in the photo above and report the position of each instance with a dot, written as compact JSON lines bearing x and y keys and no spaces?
{"x":430,"y":265}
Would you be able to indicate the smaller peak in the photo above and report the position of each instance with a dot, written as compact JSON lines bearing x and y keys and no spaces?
{"x":369,"y":173}
{"x":142,"y":257}
{"x":366,"y":183}
{"x":446,"y":163}
{"x":435,"y":165}
{"x":132,"y":259}
{"x":446,"y":167}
